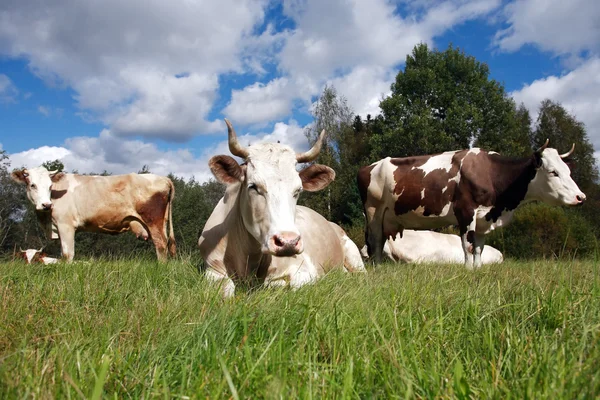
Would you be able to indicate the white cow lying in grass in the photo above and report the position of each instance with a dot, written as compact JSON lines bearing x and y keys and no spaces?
{"x":33,"y":255}
{"x":431,"y":247}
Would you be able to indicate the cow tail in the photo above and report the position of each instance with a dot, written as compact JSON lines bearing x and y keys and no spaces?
{"x":171,"y":245}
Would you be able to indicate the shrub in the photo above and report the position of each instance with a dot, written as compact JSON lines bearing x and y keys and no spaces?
{"x":539,"y":230}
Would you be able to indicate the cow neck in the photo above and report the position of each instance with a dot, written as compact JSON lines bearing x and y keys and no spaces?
{"x":246,"y":245}
{"x":511,"y":182}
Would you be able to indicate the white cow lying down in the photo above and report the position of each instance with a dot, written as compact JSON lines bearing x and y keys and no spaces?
{"x":431,"y":247}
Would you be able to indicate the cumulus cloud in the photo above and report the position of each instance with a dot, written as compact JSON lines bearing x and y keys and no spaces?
{"x":577,"y":91}
{"x":149,"y":68}
{"x":8,"y":90}
{"x":560,"y":27}
{"x":356,"y":46}
{"x":118,"y":155}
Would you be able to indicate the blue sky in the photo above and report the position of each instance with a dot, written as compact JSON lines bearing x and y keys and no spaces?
{"x":115,"y":85}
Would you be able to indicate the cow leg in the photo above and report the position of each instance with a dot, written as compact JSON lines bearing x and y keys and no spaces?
{"x":67,"y":241}
{"x":374,"y":238}
{"x":226,"y":284}
{"x":467,"y":239}
{"x":302,"y":277}
{"x":353,"y":261}
{"x":159,"y":239}
{"x":478,"y":244}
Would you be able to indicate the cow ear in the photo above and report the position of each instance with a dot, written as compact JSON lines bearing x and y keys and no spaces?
{"x":316,"y":177}
{"x":226,"y":169}
{"x":56,"y":177}
{"x":20,"y":176}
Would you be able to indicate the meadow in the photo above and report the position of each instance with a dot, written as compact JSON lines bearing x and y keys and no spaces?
{"x":136,"y":329}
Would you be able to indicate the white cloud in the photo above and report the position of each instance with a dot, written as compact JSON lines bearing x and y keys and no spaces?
{"x":118,"y":155}
{"x":561,"y":27}
{"x":354,"y":45}
{"x":45,"y":111}
{"x":577,"y":91}
{"x":8,"y":90}
{"x":123,"y":58}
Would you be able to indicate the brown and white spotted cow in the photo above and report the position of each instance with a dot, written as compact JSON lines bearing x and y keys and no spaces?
{"x":475,"y":189}
{"x":36,"y":256}
{"x":66,"y":203}
{"x":257,"y":232}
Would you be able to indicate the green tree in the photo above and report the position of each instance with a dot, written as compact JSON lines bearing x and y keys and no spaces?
{"x":444,"y":101}
{"x":332,"y":113}
{"x":55,"y":165}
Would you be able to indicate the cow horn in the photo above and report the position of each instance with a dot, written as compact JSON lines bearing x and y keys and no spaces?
{"x":313,"y":152}
{"x":52,"y":172}
{"x":543,"y":147}
{"x":567,"y":154}
{"x":21,"y":250}
{"x":234,"y":146}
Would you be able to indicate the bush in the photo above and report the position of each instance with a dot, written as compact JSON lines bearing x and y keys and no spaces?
{"x":539,"y":230}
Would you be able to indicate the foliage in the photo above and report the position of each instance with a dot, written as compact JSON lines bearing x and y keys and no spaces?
{"x":445,"y":101}
{"x":542,"y":231}
{"x":520,"y":330}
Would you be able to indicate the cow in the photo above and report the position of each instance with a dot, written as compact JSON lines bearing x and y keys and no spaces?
{"x":431,"y":247}
{"x":36,"y":256}
{"x":474,"y":189}
{"x":68,"y":203}
{"x":257,"y":232}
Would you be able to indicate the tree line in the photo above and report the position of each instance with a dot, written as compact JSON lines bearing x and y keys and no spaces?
{"x":440,"y":101}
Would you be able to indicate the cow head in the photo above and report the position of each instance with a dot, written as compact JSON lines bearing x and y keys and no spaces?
{"x":39,"y":182}
{"x":552,"y":183}
{"x":269,"y":186}
{"x":30,"y":254}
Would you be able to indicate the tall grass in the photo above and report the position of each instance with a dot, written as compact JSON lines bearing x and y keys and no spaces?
{"x":132,"y":329}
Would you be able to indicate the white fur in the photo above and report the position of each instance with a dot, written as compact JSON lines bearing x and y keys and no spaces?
{"x":431,"y":247}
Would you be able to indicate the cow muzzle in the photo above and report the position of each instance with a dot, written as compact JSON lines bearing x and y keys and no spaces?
{"x":45,"y":207}
{"x":580,"y":199}
{"x":285,"y":244}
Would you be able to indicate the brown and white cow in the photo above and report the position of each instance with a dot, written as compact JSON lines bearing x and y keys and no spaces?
{"x":36,"y":256}
{"x":257,"y":232}
{"x":431,"y":247}
{"x":475,"y":189}
{"x":66,"y":203}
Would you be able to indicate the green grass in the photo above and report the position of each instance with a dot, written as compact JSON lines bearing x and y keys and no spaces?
{"x":134,"y":329}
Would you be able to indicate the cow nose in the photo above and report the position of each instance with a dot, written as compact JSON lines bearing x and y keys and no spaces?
{"x":47,"y":206}
{"x":580,"y":198}
{"x":286,"y":243}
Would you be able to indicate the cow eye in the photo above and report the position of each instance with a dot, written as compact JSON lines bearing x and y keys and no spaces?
{"x":33,"y":186}
{"x":553,"y":173}
{"x":252,"y":186}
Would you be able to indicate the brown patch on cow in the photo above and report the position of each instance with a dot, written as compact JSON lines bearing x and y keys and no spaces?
{"x":152,"y":211}
{"x":226,"y":169}
{"x":57,"y":194}
{"x":411,"y":181}
{"x":316,"y":177}
{"x":120,"y":186}
{"x":471,"y":238}
{"x":363,"y":180}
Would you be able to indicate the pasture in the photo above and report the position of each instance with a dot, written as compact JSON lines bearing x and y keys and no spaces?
{"x":136,"y":329}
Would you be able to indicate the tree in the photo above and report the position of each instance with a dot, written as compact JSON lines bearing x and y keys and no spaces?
{"x":332,"y":113}
{"x":444,"y":101}
{"x":55,"y":165}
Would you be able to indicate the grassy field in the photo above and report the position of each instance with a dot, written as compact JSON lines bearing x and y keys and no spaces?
{"x":134,"y":329}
